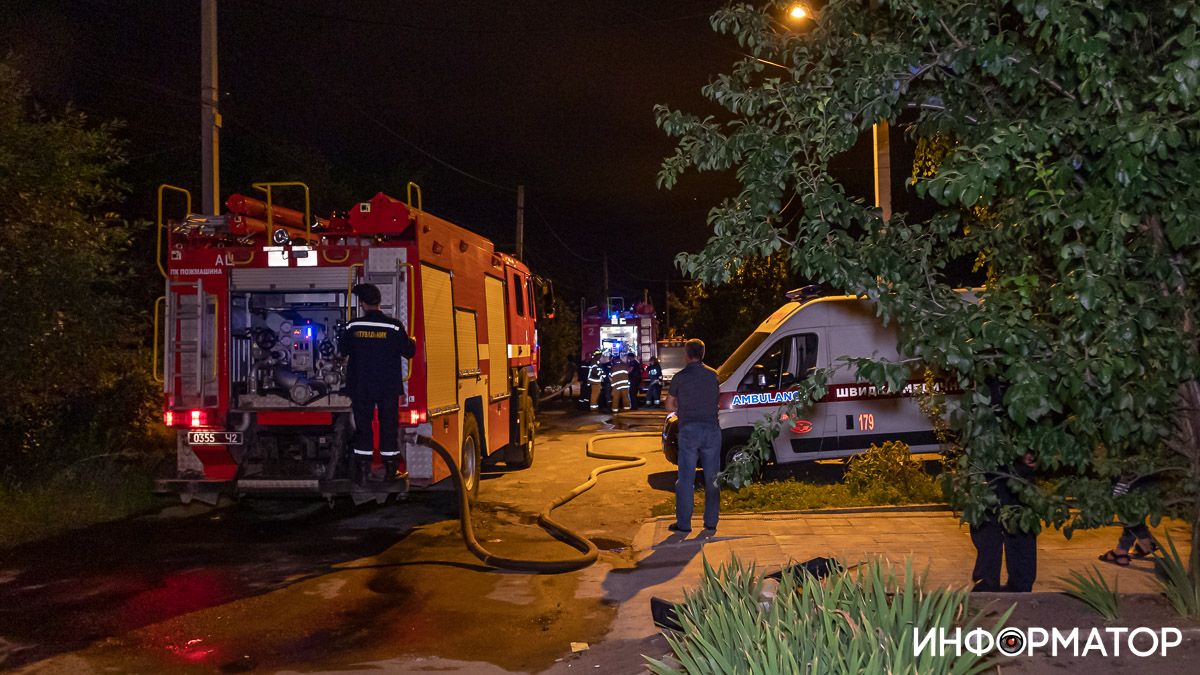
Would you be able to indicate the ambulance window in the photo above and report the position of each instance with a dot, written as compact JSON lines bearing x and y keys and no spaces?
{"x":740,"y":355}
{"x":518,"y":295}
{"x":806,"y":355}
{"x":784,"y":365}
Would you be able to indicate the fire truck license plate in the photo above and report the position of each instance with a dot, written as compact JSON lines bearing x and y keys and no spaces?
{"x":214,"y":438}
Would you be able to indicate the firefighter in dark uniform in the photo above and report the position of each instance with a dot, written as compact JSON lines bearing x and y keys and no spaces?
{"x":595,"y":381}
{"x":655,"y":375}
{"x":376,"y":345}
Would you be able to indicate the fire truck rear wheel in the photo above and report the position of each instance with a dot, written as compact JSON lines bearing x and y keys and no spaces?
{"x":470,"y":458}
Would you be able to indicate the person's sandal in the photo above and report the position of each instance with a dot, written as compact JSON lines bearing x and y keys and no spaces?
{"x":1114,"y":558}
{"x":1139,"y":552}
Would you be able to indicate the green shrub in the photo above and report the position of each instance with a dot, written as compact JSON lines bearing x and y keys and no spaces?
{"x":872,"y":486}
{"x":89,"y":493}
{"x":74,"y":374}
{"x":855,"y":621}
{"x":887,"y":467}
{"x":1180,"y":588}
{"x":1093,"y":590}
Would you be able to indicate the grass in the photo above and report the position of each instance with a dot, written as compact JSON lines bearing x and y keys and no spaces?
{"x":1179,"y":587}
{"x":855,"y":621}
{"x":64,"y":503}
{"x":1093,"y":590}
{"x":793,"y":495}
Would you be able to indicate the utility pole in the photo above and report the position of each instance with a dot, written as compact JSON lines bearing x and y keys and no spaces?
{"x":210,"y":115}
{"x":882,"y":157}
{"x":667,"y":304}
{"x":607,"y":304}
{"x":520,"y":222}
{"x":883,"y":167}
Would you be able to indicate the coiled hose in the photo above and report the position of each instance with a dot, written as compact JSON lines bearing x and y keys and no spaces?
{"x":588,"y":551}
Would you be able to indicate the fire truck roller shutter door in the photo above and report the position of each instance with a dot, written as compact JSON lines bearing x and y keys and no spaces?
{"x":497,"y":338}
{"x":441,"y":389}
{"x":468,"y":343}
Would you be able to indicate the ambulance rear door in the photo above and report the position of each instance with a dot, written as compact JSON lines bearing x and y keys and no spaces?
{"x":863,"y":414}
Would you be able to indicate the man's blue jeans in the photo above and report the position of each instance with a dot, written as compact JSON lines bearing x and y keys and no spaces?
{"x":698,"y":442}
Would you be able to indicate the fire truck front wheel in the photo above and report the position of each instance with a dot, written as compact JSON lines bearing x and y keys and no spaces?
{"x":469,"y":459}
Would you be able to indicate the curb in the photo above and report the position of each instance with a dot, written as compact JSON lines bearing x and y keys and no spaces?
{"x":898,"y":508}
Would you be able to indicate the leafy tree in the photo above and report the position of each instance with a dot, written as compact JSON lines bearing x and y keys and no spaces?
{"x":67,"y":368}
{"x":723,"y":315}
{"x":1069,"y":134}
{"x":558,"y":332}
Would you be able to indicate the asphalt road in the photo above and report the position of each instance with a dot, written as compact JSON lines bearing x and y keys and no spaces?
{"x":390,"y":587}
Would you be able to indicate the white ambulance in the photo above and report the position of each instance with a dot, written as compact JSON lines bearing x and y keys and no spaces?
{"x":803,"y":335}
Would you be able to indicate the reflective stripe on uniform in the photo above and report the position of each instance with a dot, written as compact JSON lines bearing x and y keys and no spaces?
{"x":364,"y":452}
{"x":389,"y":454}
{"x":373,"y":324}
{"x":620,"y":378}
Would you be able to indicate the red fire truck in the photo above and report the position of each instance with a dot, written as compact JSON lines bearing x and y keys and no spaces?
{"x":246,"y":344}
{"x":615,"y":330}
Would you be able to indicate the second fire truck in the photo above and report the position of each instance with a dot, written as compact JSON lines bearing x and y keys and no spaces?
{"x":246,"y":344}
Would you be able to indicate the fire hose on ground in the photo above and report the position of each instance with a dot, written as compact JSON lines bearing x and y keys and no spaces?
{"x":588,"y":553}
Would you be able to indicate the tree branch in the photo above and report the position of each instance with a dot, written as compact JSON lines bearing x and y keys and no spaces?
{"x":1048,"y":80}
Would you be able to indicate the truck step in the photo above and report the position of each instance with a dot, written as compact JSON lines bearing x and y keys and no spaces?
{"x":288,"y":484}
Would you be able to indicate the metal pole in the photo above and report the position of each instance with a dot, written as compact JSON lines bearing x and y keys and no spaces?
{"x":210,"y":115}
{"x":520,"y":222}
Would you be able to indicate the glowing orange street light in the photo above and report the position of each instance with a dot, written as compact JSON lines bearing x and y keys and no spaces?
{"x":798,"y":12}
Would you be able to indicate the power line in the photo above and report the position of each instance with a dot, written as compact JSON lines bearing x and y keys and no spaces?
{"x":718,"y":45}
{"x":365,"y":21}
{"x":160,"y":151}
{"x":430,"y":155}
{"x":559,"y":239}
{"x":636,"y":277}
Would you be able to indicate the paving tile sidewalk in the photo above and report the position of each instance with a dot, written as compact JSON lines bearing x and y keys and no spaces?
{"x":668,"y":563}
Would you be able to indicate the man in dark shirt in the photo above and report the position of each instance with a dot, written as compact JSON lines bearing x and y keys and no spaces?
{"x":994,"y":541}
{"x":693,"y":397}
{"x":376,"y":345}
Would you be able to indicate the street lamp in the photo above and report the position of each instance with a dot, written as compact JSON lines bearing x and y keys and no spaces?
{"x":881,"y":138}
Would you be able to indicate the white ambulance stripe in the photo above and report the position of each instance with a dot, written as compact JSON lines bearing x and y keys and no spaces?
{"x":373,"y":324}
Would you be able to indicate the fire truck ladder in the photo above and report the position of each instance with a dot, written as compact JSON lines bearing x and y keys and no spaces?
{"x":190,"y":363}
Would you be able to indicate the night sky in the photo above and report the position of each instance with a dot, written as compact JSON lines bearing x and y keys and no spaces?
{"x":361,"y":96}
